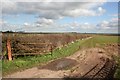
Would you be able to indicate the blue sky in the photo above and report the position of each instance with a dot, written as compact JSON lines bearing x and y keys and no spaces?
{"x":91,"y":17}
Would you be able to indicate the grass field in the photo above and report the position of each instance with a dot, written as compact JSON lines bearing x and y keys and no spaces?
{"x":25,"y":62}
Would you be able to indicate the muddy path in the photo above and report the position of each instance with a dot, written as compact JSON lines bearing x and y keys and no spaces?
{"x":83,"y":63}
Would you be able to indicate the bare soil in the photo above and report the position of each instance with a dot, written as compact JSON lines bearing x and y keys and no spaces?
{"x":60,"y":64}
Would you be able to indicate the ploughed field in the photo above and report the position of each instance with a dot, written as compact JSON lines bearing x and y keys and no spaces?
{"x":63,"y":56}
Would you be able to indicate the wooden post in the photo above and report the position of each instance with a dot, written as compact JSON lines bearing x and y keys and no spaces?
{"x":9,"y":50}
{"x":51,"y":49}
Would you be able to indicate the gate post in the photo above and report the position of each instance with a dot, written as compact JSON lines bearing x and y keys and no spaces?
{"x":9,"y":50}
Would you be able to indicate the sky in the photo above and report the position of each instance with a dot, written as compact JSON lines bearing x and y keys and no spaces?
{"x":82,"y":17}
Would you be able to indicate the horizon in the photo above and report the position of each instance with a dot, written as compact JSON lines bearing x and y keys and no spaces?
{"x":54,"y":32}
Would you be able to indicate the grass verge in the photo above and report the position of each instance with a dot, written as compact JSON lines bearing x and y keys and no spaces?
{"x":117,"y":73}
{"x":22,"y":63}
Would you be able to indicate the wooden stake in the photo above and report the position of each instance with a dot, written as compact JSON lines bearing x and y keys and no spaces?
{"x":9,"y":50}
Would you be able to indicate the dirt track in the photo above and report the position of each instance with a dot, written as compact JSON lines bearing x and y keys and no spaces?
{"x":76,"y":65}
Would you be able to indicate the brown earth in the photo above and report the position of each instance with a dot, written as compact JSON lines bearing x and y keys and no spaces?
{"x":76,"y":65}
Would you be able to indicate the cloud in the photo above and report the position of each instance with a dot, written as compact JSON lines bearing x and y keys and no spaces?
{"x":101,"y":10}
{"x":44,"y":22}
{"x":49,"y":12}
{"x":115,"y":19}
{"x":5,"y":26}
{"x":104,"y":25}
{"x":87,"y":26}
{"x":2,"y":22}
{"x":108,"y":26}
{"x":26,"y":24}
{"x":47,"y":25}
{"x":76,"y":26}
{"x":9,"y":27}
{"x":55,"y":0}
{"x":9,"y":7}
{"x":79,"y":12}
{"x":53,"y":10}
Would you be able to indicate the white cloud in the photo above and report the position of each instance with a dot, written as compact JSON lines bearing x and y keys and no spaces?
{"x":44,"y":22}
{"x":2,"y":22}
{"x":5,"y":26}
{"x":101,"y":10}
{"x":10,"y":27}
{"x":78,"y":26}
{"x":56,"y":0}
{"x":107,"y":26}
{"x":9,"y":7}
{"x":104,"y":26}
{"x":53,"y":10}
{"x":26,"y":24}
{"x":87,"y":26}
{"x":104,"y":23}
{"x":49,"y":12}
{"x":79,"y":12}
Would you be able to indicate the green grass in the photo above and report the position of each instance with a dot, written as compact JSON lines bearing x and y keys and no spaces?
{"x":117,"y":73}
{"x":99,"y":41}
{"x":31,"y":61}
